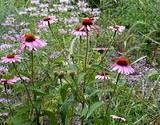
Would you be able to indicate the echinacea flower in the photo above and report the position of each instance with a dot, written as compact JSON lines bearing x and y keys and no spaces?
{"x":14,"y":80}
{"x":87,"y":24}
{"x":122,"y":66}
{"x":31,"y":42}
{"x":117,"y":28}
{"x":47,"y":20}
{"x":78,"y":32}
{"x":115,"y":117}
{"x":101,"y":76}
{"x":100,"y":49}
{"x":11,"y":58}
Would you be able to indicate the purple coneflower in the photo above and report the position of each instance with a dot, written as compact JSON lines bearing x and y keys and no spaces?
{"x":31,"y":42}
{"x":11,"y":58}
{"x":87,"y":24}
{"x":122,"y":66}
{"x":102,"y":76}
{"x":47,"y":20}
{"x":78,"y":32}
{"x":116,"y":28}
{"x":14,"y":80}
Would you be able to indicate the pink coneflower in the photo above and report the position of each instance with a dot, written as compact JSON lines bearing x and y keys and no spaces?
{"x":117,"y":28}
{"x":100,"y":49}
{"x":115,"y":117}
{"x":87,"y":24}
{"x":14,"y":80}
{"x":78,"y":32}
{"x":31,"y":42}
{"x":47,"y":20}
{"x":101,"y":76}
{"x":11,"y":58}
{"x":122,"y":66}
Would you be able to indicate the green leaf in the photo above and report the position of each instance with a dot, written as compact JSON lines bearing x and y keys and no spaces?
{"x":93,"y":108}
{"x":51,"y":116}
{"x":38,"y":92}
{"x":80,"y":77}
{"x":63,"y":91}
{"x":65,"y":108}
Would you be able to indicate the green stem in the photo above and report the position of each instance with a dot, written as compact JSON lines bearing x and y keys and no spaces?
{"x":85,"y":69}
{"x":113,"y":39}
{"x":28,"y":93}
{"x":86,"y":55}
{"x":117,"y":79}
{"x":25,"y":86}
{"x":32,"y":68}
{"x":49,"y":25}
{"x":118,"y":122}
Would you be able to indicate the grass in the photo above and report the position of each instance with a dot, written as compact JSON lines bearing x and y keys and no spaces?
{"x":63,"y":90}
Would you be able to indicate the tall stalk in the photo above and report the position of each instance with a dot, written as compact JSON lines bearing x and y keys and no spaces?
{"x":32,"y":66}
{"x":28,"y":94}
{"x":85,"y":69}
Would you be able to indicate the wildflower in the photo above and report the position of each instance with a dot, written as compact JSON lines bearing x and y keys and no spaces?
{"x":87,"y":24}
{"x":55,"y":55}
{"x":4,"y":114}
{"x":100,"y":50}
{"x":82,"y":4}
{"x":10,"y":58}
{"x":35,"y":2}
{"x":5,"y":46}
{"x":47,"y":20}
{"x":122,"y":66}
{"x":64,"y":1}
{"x":14,"y":80}
{"x":116,"y":28}
{"x":102,"y":76}
{"x":78,"y":32}
{"x":72,"y":20}
{"x":3,"y":70}
{"x":31,"y":42}
{"x":62,"y":31}
{"x":4,"y":100}
{"x":118,"y":118}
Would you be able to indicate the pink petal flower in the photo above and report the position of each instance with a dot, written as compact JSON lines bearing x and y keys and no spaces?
{"x":10,"y":58}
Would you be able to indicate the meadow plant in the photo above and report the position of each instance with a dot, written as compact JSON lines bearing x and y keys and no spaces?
{"x":62,"y":63}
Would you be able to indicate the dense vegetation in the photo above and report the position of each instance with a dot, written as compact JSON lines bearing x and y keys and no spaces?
{"x":69,"y":63}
